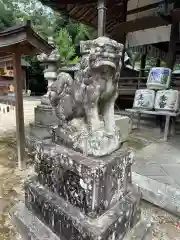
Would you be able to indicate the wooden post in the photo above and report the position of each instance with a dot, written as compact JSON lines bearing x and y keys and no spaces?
{"x":171,"y":56}
{"x":19,"y":108}
{"x":166,"y":130}
{"x":101,"y":17}
{"x":173,"y":126}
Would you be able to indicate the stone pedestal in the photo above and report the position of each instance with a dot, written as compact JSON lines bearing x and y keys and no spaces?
{"x":41,"y":129}
{"x":30,"y":227}
{"x":45,"y":119}
{"x":79,"y":197}
{"x":123,"y":123}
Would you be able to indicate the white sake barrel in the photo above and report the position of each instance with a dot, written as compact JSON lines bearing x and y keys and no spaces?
{"x":144,"y":99}
{"x":159,"y":78}
{"x":167,"y":100}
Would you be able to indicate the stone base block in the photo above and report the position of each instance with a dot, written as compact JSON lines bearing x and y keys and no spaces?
{"x":124,"y":123}
{"x":92,"y":184}
{"x":40,"y":132}
{"x":31,"y":228}
{"x":44,"y":115}
{"x":45,"y":119}
{"x":68,"y":222}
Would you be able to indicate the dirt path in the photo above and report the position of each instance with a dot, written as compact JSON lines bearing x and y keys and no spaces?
{"x":11,"y":184}
{"x":8,"y":120}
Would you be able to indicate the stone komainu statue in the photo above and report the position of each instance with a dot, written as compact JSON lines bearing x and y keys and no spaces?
{"x":85,"y":105}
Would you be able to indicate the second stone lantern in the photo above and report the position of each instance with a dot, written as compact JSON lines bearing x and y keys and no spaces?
{"x":45,"y":118}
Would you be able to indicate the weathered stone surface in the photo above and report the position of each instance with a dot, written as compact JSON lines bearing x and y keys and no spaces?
{"x":40,"y":132}
{"x":45,"y":115}
{"x":89,"y":99}
{"x":69,"y":222}
{"x":160,"y":194}
{"x":50,"y":74}
{"x":156,"y":172}
{"x":30,"y":143}
{"x":32,"y":228}
{"x":41,"y":129}
{"x":92,"y":184}
{"x":29,"y":226}
{"x":124,"y":123}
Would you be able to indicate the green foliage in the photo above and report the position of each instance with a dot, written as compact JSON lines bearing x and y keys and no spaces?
{"x":65,"y":46}
{"x":7,"y":18}
{"x":75,"y":60}
{"x":177,"y":66}
{"x":46,"y":22}
{"x":37,"y":83}
{"x":82,"y":32}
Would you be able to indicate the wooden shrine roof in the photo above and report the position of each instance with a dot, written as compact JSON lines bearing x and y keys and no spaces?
{"x":85,"y":11}
{"x":23,"y":38}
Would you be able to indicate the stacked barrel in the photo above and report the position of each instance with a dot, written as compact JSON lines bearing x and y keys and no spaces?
{"x":158,"y":95}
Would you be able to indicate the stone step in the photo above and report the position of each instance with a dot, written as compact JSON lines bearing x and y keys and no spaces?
{"x":69,"y":222}
{"x":158,"y":193}
{"x":30,"y":227}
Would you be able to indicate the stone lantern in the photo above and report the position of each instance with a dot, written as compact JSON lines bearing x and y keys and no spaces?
{"x":45,"y":117}
{"x":49,"y":62}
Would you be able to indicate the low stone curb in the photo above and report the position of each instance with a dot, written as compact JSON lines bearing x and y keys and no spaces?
{"x":159,"y":194}
{"x":29,"y":226}
{"x":142,"y":231}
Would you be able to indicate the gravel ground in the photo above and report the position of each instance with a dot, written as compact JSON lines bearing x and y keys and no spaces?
{"x":167,"y":226}
{"x":8,"y":120}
